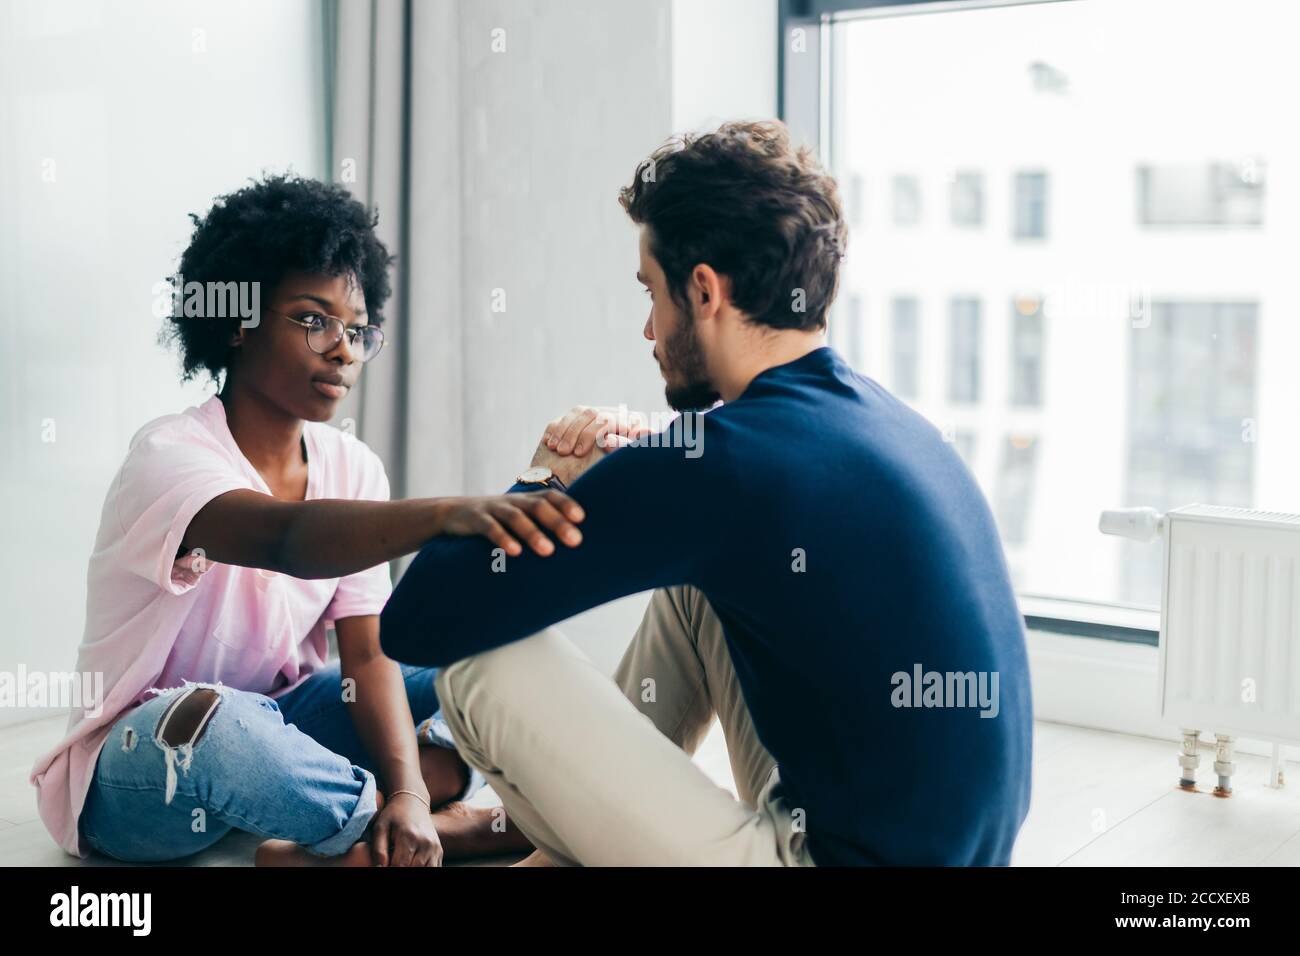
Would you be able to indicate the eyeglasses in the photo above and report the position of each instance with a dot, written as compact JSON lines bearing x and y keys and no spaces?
{"x":324,"y":332}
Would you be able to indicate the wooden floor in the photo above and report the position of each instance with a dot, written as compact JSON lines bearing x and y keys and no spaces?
{"x":1099,"y":799}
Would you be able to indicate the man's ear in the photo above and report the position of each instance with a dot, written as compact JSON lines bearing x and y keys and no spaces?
{"x":708,"y":284}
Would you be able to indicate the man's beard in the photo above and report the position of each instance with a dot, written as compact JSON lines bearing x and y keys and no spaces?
{"x":683,"y":359}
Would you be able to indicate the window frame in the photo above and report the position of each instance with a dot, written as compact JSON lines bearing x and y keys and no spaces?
{"x":803,"y":82}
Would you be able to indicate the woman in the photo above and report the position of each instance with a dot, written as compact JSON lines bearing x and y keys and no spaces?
{"x":231,"y":535}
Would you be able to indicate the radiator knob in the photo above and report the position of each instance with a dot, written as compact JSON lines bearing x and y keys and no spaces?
{"x":1140,"y":524}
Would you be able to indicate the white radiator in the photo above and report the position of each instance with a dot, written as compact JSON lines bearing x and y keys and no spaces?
{"x":1229,"y":627}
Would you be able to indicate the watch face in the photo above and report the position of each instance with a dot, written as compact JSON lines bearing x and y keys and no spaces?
{"x":537,"y":474}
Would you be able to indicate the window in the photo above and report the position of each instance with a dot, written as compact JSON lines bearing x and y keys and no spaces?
{"x":1030,"y":214}
{"x":1026,"y":351}
{"x":1191,"y":421}
{"x":854,"y":200}
{"x":964,"y":351}
{"x":967,"y":199}
{"x":905,"y":347}
{"x":1015,"y":487}
{"x":852,"y":338}
{"x":906,"y":200}
{"x":963,"y":441}
{"x":1114,"y":327}
{"x":1211,"y":194}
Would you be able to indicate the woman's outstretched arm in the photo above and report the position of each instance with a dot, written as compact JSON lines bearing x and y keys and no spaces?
{"x":329,"y":538}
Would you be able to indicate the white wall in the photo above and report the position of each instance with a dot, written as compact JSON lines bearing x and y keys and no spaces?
{"x":116,"y":120}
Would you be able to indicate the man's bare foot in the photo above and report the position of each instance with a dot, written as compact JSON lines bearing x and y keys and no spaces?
{"x":536,"y":858}
{"x":467,"y":831}
{"x":285,"y":853}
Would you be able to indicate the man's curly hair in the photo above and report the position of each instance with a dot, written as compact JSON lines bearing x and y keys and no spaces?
{"x":276,"y":225}
{"x":746,"y":202}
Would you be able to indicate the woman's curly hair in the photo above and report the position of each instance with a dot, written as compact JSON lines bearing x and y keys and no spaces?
{"x":276,"y":225}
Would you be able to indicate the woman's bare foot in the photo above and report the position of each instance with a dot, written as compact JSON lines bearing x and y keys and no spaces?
{"x":285,"y":853}
{"x":536,"y":858}
{"x":466,"y":831}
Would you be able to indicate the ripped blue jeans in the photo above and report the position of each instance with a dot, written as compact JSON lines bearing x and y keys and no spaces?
{"x":293,"y":768}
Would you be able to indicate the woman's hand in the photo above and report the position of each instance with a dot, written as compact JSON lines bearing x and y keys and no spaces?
{"x":403,"y":834}
{"x":505,"y":520}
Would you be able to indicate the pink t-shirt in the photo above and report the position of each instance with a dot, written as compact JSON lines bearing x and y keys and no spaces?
{"x":155,"y":620}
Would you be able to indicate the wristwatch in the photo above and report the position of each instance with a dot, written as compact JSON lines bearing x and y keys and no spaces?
{"x":541,"y":476}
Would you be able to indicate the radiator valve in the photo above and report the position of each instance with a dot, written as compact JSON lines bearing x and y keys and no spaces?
{"x":1223,"y":765}
{"x":1189,"y":759}
{"x":1140,"y":524}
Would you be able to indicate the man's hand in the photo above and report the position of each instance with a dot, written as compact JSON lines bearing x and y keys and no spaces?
{"x":583,"y":436}
{"x":568,"y":468}
{"x":583,"y":428}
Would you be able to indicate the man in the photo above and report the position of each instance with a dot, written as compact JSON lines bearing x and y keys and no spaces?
{"x":830,"y":580}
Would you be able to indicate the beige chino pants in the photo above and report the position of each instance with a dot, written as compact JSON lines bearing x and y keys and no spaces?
{"x":598,"y":772}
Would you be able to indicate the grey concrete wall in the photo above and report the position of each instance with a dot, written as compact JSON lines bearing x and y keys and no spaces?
{"x":549,"y":128}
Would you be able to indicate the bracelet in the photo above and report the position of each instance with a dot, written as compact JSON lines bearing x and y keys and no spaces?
{"x":412,"y":793}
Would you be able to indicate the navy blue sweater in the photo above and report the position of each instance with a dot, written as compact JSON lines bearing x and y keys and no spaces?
{"x":860,"y":582}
